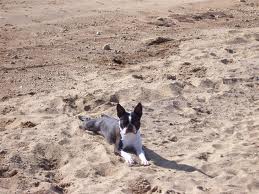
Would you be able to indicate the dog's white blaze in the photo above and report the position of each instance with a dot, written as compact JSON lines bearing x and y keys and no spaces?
{"x":129,"y":118}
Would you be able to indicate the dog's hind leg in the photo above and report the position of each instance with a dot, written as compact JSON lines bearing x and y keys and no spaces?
{"x":84,"y":118}
{"x":89,"y":124}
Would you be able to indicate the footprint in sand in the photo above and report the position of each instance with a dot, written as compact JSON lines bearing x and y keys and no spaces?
{"x":83,"y":173}
{"x":5,"y":122}
{"x":218,"y":146}
{"x":7,"y":172}
{"x":237,"y":40}
{"x":48,"y":156}
{"x":253,"y":186}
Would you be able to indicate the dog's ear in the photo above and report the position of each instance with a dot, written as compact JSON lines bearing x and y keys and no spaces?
{"x":120,"y":111}
{"x":138,"y":110}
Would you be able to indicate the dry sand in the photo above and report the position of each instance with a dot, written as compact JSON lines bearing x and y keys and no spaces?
{"x":198,"y":84}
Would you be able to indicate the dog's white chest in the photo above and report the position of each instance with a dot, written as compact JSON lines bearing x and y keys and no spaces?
{"x":131,"y":140}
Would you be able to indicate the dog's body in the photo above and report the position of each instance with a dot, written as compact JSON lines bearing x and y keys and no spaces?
{"x":123,"y":133}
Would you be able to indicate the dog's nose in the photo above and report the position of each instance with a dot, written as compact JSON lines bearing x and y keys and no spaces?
{"x":131,"y":129}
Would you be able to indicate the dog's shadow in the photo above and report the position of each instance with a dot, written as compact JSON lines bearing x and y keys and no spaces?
{"x":164,"y":163}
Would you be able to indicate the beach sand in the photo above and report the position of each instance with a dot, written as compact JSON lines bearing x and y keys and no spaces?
{"x":194,"y":65}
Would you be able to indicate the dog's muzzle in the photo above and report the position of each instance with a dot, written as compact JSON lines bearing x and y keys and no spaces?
{"x":131,"y":129}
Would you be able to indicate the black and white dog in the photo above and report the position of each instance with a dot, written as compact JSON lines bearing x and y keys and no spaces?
{"x":124,"y":133}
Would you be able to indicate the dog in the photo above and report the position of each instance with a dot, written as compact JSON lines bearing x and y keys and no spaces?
{"x":124,"y":132}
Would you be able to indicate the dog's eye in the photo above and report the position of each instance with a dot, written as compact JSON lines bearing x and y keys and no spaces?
{"x":125,"y":122}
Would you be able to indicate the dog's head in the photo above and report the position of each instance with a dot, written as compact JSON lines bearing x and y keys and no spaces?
{"x":129,"y":122}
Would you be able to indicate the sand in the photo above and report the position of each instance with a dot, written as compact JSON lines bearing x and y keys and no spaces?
{"x":194,"y":65}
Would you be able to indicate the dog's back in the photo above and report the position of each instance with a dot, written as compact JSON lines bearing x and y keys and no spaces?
{"x":106,"y":125}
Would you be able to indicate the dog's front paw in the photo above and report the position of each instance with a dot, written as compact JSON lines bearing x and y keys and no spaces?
{"x":143,"y":158}
{"x":129,"y":160}
{"x":127,"y":157}
{"x":144,"y":162}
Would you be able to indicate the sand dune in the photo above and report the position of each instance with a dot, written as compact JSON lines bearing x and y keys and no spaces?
{"x":192,"y":64}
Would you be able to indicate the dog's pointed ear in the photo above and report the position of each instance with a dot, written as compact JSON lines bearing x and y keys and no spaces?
{"x":120,"y":110}
{"x":138,"y":110}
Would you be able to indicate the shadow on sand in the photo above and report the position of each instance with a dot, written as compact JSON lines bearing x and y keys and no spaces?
{"x":164,"y":163}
